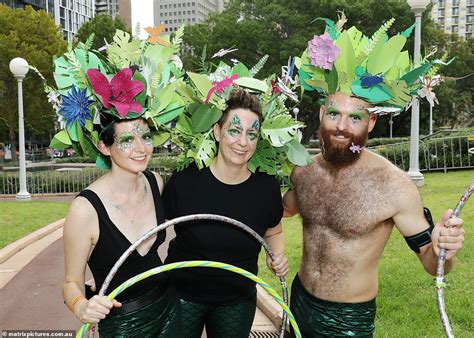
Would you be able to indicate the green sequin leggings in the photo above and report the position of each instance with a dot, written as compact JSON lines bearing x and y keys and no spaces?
{"x":161,"y":318}
{"x":233,"y":321}
{"x":321,"y":318}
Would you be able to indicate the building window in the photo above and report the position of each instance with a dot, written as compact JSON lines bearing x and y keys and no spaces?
{"x":469,"y":18}
{"x":455,"y":11}
{"x":454,"y":29}
{"x":455,"y":2}
{"x":161,"y":6}
{"x":468,"y":35}
{"x":469,"y":28}
{"x":454,"y":20}
{"x":440,"y":12}
{"x":440,"y":3}
{"x":441,"y":21}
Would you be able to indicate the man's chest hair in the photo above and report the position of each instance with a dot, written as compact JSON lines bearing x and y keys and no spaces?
{"x":350,"y":204}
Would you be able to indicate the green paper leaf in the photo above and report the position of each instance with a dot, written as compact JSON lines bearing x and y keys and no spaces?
{"x":407,"y":32}
{"x":89,"y":125}
{"x":141,"y":97}
{"x":279,"y":129}
{"x":173,"y":110}
{"x":297,"y":153}
{"x":201,"y":82}
{"x":331,"y":79}
{"x":383,"y":58}
{"x":89,"y":148}
{"x":204,"y":118}
{"x":373,"y":95}
{"x":264,"y":158}
{"x":241,"y":70}
{"x":345,"y":63}
{"x":204,"y":150}
{"x":60,"y":141}
{"x":158,"y":53}
{"x":183,"y":125}
{"x":160,"y":137}
{"x":251,"y":83}
{"x":315,"y":84}
{"x":415,"y":74}
{"x":123,"y":53}
{"x":72,"y":131}
{"x":304,"y":78}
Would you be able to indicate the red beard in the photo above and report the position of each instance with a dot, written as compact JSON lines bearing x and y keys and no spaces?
{"x":338,"y":153}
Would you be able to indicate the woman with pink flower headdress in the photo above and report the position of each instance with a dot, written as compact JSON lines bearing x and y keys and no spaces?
{"x":102,"y":105}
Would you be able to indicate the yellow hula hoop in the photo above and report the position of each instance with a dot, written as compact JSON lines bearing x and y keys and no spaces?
{"x":190,"y":264}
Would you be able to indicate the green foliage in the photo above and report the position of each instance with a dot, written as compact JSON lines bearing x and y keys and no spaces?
{"x":32,"y":35}
{"x":103,"y":26}
{"x":406,"y":302}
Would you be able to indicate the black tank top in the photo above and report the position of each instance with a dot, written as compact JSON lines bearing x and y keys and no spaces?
{"x":111,"y":244}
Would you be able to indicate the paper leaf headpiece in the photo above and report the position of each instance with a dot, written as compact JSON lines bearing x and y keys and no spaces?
{"x":278,"y":147}
{"x":375,"y":69}
{"x":136,"y":79}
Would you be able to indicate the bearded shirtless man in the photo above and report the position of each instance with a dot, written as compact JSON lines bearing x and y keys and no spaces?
{"x":350,"y":199}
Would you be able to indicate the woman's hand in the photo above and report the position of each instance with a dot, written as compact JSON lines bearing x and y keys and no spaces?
{"x":94,"y":309}
{"x":279,"y":265}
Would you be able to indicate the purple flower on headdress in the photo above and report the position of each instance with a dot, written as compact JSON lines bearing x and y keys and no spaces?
{"x":355,"y":148}
{"x":75,"y":106}
{"x":322,"y":51}
{"x":119,"y":92}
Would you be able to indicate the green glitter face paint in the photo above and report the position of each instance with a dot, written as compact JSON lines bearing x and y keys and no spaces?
{"x":125,"y":141}
{"x":235,"y":129}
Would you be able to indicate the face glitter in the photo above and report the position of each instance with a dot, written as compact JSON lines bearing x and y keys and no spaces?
{"x":125,"y":141}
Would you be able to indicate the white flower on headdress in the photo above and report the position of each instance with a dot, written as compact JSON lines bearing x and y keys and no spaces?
{"x":384,"y":110}
{"x":177,"y":61}
{"x":223,"y":52}
{"x":287,"y":91}
{"x":55,"y":99}
{"x":427,"y":89}
{"x":220,"y":74}
{"x":234,"y":61}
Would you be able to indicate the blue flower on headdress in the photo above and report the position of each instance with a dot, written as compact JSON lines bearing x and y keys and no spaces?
{"x":369,"y":81}
{"x":75,"y":106}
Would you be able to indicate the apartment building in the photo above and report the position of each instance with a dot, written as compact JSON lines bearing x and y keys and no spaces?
{"x":455,"y":16}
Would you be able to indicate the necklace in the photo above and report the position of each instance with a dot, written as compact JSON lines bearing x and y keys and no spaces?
{"x":123,"y":207}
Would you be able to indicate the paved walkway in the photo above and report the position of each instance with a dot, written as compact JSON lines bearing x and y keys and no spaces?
{"x":30,"y":288}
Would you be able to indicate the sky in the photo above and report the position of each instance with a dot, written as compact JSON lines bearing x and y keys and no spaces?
{"x":142,"y":14}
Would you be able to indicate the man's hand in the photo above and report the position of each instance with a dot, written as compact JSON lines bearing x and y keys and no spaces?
{"x":448,"y":234}
{"x":279,"y":266}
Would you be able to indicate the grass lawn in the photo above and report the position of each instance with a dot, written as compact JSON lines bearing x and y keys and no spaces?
{"x":406,"y":303}
{"x":18,"y":219}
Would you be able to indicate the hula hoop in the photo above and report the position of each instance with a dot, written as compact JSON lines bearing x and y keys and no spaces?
{"x":189,"y":264}
{"x":195,"y":217}
{"x":440,"y":284}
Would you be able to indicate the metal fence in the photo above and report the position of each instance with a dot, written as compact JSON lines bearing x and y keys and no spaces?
{"x":61,"y":181}
{"x":446,"y":153}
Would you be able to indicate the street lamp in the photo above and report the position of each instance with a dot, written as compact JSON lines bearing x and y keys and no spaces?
{"x":19,"y":68}
{"x":417,"y":7}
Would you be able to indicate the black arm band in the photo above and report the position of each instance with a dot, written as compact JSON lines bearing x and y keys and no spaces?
{"x":415,"y":242}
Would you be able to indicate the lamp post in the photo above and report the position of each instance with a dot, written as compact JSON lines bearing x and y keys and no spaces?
{"x":417,"y":7}
{"x":19,"y":68}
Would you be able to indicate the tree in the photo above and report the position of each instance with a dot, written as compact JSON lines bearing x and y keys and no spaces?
{"x":32,"y":35}
{"x":104,"y":27}
{"x":282,"y":28}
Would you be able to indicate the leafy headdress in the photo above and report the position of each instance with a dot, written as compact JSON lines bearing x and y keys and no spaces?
{"x":136,"y":79}
{"x":278,"y":147}
{"x":375,"y":69}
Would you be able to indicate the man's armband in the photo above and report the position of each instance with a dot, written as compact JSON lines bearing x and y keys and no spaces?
{"x":415,"y":242}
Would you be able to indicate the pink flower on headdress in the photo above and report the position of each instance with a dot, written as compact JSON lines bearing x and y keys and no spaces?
{"x":119,"y":92}
{"x":219,"y":86}
{"x":322,"y":51}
